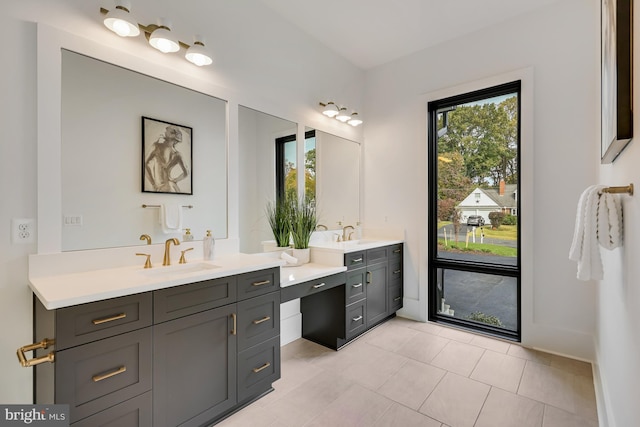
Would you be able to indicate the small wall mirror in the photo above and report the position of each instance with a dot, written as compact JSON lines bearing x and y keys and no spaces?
{"x":268,"y":165}
{"x":103,"y":151}
{"x":337,"y":177}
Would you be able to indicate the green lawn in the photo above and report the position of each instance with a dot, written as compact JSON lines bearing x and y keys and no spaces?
{"x":482,"y":248}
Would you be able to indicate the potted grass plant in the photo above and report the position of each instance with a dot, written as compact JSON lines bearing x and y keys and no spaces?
{"x":279,"y":217}
{"x":303,"y":222}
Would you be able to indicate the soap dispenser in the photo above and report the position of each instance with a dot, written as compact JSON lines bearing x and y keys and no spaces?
{"x":208,"y":246}
{"x":187,"y":237}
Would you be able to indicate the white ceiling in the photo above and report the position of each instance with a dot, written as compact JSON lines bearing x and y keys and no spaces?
{"x":373,"y":32}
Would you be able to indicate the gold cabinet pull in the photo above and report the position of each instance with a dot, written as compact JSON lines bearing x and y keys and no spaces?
{"x":356,"y":286}
{"x":397,"y":251}
{"x":109,"y":319}
{"x":357,"y":319}
{"x":397,"y":271}
{"x":234,"y":331}
{"x":45,"y":343}
{"x":353,"y":261}
{"x":368,"y":277}
{"x":397,"y":299}
{"x":319,"y":285}
{"x":120,"y":370}
{"x":264,"y":319}
{"x":264,"y":282}
{"x":261,"y":368}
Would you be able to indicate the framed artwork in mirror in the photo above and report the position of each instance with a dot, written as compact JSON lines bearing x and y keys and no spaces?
{"x":167,"y":157}
{"x":616,"y":77}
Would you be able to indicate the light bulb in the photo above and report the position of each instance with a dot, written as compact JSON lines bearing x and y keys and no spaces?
{"x":330,"y":109}
{"x":162,"y":39}
{"x":198,"y":55}
{"x":355,"y":120}
{"x":343,"y":116}
{"x":122,"y":22}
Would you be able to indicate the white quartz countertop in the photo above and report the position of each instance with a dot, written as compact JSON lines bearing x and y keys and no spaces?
{"x":354,"y":245}
{"x":293,"y":275}
{"x":64,"y":290}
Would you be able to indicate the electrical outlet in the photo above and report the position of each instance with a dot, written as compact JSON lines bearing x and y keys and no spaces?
{"x":23,"y":230}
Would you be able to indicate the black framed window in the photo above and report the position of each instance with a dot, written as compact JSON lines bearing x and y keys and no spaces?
{"x":474,"y":210}
{"x":285,"y":166}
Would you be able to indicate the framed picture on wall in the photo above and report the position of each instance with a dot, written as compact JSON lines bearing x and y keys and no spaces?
{"x":616,"y":77}
{"x":167,"y":157}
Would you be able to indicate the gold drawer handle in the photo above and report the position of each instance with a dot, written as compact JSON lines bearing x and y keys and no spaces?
{"x":397,"y":251}
{"x":45,"y":343}
{"x":397,"y":299}
{"x":353,"y":261}
{"x":261,"y":368}
{"x":368,"y":277}
{"x":264,"y":319}
{"x":397,"y":271}
{"x":234,"y":331}
{"x":356,"y":286}
{"x":319,"y":285}
{"x":120,"y":370}
{"x":357,"y":319}
{"x":264,"y":282}
{"x":109,"y":319}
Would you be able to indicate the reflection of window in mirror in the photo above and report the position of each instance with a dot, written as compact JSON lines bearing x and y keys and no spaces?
{"x":286,"y":166}
{"x":310,"y":164}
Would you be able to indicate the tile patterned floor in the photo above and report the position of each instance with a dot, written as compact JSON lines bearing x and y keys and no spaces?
{"x":406,"y":373}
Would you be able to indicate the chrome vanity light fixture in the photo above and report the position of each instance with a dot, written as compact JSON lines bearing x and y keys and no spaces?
{"x":330,"y":109}
{"x":122,"y":22}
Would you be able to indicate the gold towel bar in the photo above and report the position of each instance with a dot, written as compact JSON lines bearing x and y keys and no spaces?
{"x":157,"y":206}
{"x":625,"y":189}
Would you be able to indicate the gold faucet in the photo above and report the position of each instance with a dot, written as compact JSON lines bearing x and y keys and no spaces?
{"x":147,"y":238}
{"x":344,"y":232}
{"x":167,"y":250}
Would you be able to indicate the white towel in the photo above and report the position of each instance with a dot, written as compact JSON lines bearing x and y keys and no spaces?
{"x":290,"y":260}
{"x":598,"y":223}
{"x":610,"y":221}
{"x":171,"y":218}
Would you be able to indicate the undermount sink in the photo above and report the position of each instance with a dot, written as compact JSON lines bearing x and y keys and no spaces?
{"x":359,"y":242}
{"x":174,"y":270}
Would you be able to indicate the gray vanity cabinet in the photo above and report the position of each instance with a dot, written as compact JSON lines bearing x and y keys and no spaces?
{"x":194,"y":368}
{"x":182,"y":356}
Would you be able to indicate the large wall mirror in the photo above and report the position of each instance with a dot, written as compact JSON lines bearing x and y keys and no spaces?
{"x":260,"y":137}
{"x":337,"y":177}
{"x":102,"y":106}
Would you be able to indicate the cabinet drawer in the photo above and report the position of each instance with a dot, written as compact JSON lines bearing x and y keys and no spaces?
{"x":355,"y":287}
{"x":356,"y":319}
{"x":395,"y":297}
{"x":258,"y":283}
{"x":311,"y":287}
{"x":377,"y":255}
{"x":258,"y":368}
{"x":395,"y":251}
{"x":84,"y":323}
{"x":355,"y":260}
{"x":134,"y":412}
{"x":395,"y":270}
{"x":98,"y":375}
{"x":258,"y":320}
{"x":180,"y":301}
